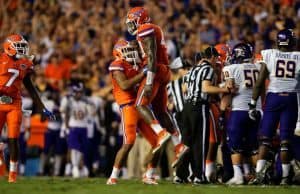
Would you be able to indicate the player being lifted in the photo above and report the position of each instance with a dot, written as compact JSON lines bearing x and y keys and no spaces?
{"x":125,"y":76}
{"x":152,"y":90}
{"x":282,"y":67}
{"x":16,"y":68}
{"x":241,"y":130}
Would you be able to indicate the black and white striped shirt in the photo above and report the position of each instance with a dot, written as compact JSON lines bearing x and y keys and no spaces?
{"x":194,"y":79}
{"x":175,"y":93}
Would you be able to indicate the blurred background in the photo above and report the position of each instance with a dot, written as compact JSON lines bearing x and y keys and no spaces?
{"x":73,"y":40}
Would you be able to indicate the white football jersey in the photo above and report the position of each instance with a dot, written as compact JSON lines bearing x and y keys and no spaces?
{"x":284,"y":70}
{"x":79,"y":111}
{"x":244,"y":76}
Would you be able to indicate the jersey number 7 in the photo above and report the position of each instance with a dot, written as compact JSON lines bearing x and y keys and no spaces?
{"x":15,"y":74}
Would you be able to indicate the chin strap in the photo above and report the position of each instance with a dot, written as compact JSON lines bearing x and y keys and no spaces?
{"x":29,"y":57}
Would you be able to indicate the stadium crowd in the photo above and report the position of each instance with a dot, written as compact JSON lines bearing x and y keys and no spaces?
{"x":73,"y":40}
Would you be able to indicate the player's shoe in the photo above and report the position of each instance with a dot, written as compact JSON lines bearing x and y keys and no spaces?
{"x":180,"y":151}
{"x":198,"y":181}
{"x":260,"y":177}
{"x":297,"y":130}
{"x":149,"y":181}
{"x":163,"y":137}
{"x":286,"y":181}
{"x":235,"y":181}
{"x":75,"y":172}
{"x":111,"y":181}
{"x":12,"y":177}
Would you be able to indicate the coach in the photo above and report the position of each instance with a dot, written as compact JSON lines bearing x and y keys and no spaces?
{"x":195,"y":132}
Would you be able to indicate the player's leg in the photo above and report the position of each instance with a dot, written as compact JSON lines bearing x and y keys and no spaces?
{"x":143,"y":103}
{"x":74,"y":146}
{"x":210,"y":168}
{"x":2,"y":147}
{"x":251,"y":149}
{"x":235,"y":133}
{"x":288,"y":122}
{"x":13,"y":118}
{"x":267,"y":129}
{"x":151,"y":160}
{"x":129,"y":118}
{"x":297,"y":130}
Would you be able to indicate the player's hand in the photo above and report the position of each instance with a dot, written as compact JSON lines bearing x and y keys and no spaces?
{"x":148,"y":90}
{"x":253,"y":113}
{"x":48,"y":114}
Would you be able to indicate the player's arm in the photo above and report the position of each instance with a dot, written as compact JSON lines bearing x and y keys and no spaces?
{"x":149,"y":47}
{"x":33,"y":93}
{"x":207,"y":84}
{"x":125,"y":83}
{"x":260,"y":83}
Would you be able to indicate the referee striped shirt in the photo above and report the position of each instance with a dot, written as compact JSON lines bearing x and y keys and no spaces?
{"x":175,"y":93}
{"x":194,"y":79}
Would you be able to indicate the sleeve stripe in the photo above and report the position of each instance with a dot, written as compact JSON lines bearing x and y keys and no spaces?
{"x":115,"y":68}
{"x":146,"y":32}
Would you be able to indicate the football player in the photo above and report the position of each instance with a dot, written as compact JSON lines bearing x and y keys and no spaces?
{"x":76,"y":109}
{"x":214,"y":112}
{"x":282,"y":67}
{"x":125,"y":76}
{"x":152,"y":89}
{"x":241,"y":130}
{"x":16,"y":67}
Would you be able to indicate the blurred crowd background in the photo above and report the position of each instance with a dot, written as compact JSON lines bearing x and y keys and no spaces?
{"x":73,"y":39}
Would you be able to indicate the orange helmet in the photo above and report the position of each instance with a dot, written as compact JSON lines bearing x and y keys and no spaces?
{"x":125,"y":51}
{"x":16,"y":45}
{"x":135,"y":17}
{"x":224,"y":52}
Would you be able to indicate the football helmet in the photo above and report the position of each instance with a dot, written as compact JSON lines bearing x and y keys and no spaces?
{"x":286,"y":38}
{"x":241,"y":53}
{"x":16,"y":45}
{"x":135,"y":17}
{"x":125,"y":51}
{"x":224,"y":53}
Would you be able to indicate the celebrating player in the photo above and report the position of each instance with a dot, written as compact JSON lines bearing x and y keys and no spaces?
{"x":16,"y":67}
{"x":125,"y":76}
{"x":152,"y":89}
{"x":282,"y":66}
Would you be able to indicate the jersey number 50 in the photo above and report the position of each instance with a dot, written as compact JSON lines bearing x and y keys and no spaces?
{"x":251,"y":76}
{"x":285,"y":69}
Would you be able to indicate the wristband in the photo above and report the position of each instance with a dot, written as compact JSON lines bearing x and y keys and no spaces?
{"x":253,"y":102}
{"x":150,"y":78}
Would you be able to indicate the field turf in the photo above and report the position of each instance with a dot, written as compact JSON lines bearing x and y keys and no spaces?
{"x":97,"y":186}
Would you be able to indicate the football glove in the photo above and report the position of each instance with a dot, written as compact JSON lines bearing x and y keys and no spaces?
{"x":253,"y":113}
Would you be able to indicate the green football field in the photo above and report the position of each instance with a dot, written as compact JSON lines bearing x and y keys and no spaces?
{"x":97,"y":186}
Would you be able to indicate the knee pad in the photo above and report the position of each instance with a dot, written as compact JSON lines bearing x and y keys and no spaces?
{"x":284,"y":146}
{"x":265,"y":141}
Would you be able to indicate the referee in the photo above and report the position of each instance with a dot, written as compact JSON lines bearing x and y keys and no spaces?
{"x":195,"y":131}
{"x":179,"y":68}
